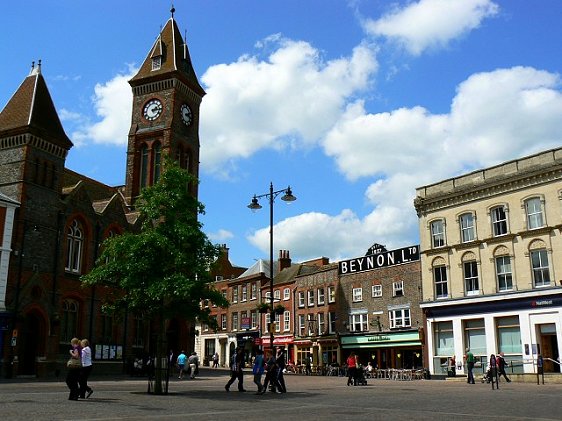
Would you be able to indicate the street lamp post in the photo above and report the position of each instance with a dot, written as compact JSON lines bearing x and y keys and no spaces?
{"x":254,"y":206}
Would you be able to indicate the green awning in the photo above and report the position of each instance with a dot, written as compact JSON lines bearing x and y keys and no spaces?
{"x":380,"y":344}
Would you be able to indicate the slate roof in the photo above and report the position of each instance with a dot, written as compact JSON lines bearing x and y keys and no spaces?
{"x":175,"y":59}
{"x":31,"y":110}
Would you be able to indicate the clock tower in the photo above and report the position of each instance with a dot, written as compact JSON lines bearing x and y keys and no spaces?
{"x":165,"y":120}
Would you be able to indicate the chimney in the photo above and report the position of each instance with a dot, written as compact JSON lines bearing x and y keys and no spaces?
{"x":284,"y":260}
{"x":224,"y":251}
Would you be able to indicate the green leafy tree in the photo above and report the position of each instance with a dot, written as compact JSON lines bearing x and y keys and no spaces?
{"x":162,"y":271}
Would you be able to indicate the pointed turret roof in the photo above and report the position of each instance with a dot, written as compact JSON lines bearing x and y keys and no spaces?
{"x":172,"y":51}
{"x":31,"y":110}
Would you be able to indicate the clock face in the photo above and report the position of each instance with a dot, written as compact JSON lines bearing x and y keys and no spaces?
{"x":152,"y":110}
{"x":185,"y":114}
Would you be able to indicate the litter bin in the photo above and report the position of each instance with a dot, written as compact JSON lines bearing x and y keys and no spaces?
{"x":426,"y":374}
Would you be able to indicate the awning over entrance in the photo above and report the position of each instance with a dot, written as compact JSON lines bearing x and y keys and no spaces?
{"x":382,"y":340}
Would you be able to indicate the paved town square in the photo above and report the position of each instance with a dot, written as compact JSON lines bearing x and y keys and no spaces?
{"x":308,"y":398}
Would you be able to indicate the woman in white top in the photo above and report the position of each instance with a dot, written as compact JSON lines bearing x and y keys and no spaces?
{"x":86,"y":369}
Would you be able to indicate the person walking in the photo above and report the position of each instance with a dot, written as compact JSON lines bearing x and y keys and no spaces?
{"x":236,"y":370}
{"x":351,"y":369}
{"x":74,"y":368}
{"x":308,"y":366}
{"x":469,"y":360}
{"x":216,"y":360}
{"x":193,"y":362}
{"x":500,"y":362}
{"x":280,"y":359}
{"x":257,"y":370}
{"x":181,"y":363}
{"x":86,"y":355}
{"x":493,"y":372}
{"x":271,"y":375}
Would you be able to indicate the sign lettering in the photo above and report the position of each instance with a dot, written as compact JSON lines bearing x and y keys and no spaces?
{"x":385,"y":259}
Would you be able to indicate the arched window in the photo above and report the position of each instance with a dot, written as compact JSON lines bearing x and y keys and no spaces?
{"x":539,"y":263}
{"x":144,"y":166}
{"x":74,"y":241}
{"x":437,"y":233}
{"x":534,"y":211}
{"x":157,"y":159}
{"x":466,"y":221}
{"x":69,"y":320}
{"x":187,"y":161}
{"x":440,"y":278}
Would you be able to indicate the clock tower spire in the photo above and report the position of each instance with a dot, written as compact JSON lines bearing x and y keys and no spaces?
{"x":165,"y":120}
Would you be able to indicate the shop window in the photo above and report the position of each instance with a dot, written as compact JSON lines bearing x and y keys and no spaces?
{"x":475,"y":336}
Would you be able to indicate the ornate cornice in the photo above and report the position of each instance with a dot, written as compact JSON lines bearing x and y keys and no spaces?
{"x":487,"y":189}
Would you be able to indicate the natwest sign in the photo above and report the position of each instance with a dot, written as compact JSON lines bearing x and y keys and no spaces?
{"x":376,"y":261}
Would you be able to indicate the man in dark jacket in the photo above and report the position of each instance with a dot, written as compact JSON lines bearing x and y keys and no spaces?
{"x":501,"y":366}
{"x":236,"y":370}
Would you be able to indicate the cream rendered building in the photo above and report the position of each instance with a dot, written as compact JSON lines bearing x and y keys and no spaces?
{"x":491,"y":244}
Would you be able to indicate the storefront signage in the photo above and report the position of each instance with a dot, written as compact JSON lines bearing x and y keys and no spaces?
{"x":541,"y":303}
{"x":278,"y":340}
{"x":411,"y":337}
{"x":376,"y":261}
{"x":378,"y":338}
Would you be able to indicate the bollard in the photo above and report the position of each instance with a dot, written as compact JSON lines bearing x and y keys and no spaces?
{"x":540,"y":370}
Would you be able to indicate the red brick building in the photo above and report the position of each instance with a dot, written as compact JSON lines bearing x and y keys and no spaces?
{"x":53,"y":220}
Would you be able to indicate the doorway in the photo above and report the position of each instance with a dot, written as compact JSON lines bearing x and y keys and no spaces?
{"x":31,"y":344}
{"x":549,"y":347}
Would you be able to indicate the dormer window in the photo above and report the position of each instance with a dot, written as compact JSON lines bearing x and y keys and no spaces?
{"x":156,"y":63}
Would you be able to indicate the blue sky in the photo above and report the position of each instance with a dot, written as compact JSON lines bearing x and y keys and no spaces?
{"x":353,"y":104}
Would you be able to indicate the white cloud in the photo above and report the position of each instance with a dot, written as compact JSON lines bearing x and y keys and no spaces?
{"x":431,"y":23}
{"x":494,"y":117}
{"x":67,"y":115}
{"x":288,"y":100}
{"x":112,"y":103}
{"x":220,"y":236}
{"x":330,"y":236}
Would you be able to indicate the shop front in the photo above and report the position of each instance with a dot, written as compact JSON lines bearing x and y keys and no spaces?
{"x":320,"y":352}
{"x":282,"y":341}
{"x":521,"y":325}
{"x":387,"y":349}
{"x":248,"y":341}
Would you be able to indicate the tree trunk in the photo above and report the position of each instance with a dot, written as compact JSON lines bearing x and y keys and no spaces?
{"x":159,"y":370}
